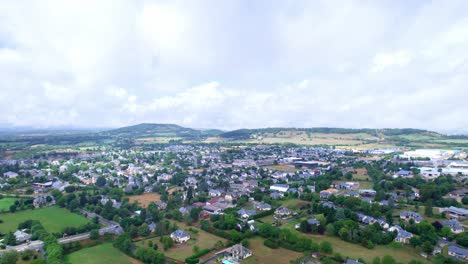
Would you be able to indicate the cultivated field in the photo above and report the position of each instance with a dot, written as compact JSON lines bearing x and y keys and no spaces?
{"x":54,"y":219}
{"x":104,"y":253}
{"x":145,"y":199}
{"x":263,"y":254}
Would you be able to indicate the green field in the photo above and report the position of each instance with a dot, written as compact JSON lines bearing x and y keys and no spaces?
{"x":104,"y":253}
{"x":5,"y":203}
{"x":54,"y":219}
{"x":263,"y":254}
{"x":181,"y":251}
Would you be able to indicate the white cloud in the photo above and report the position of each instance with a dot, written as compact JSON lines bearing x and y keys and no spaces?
{"x":234,"y":64}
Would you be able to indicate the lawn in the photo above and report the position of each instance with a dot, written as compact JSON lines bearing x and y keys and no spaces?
{"x":54,"y":219}
{"x":263,"y":254}
{"x":182,"y":251}
{"x":6,"y":202}
{"x":104,"y":253}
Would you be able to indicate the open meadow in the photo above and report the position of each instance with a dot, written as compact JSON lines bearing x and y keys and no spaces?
{"x":145,"y":199}
{"x":104,"y":253}
{"x":54,"y":219}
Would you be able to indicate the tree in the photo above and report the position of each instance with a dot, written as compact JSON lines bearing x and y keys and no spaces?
{"x":9,"y":239}
{"x":427,"y":247}
{"x":101,"y":181}
{"x":388,"y":260}
{"x":462,"y":239}
{"x":143,"y":230}
{"x":326,"y":247}
{"x":9,"y":257}
{"x":465,"y":200}
{"x":94,"y":234}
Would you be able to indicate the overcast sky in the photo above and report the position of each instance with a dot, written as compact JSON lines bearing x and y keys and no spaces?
{"x":235,"y":64}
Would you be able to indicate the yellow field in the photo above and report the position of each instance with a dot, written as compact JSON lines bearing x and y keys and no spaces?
{"x":145,"y":199}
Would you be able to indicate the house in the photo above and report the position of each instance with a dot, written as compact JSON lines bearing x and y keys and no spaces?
{"x":454,"y":225}
{"x":367,"y":193}
{"x":10,"y":174}
{"x":245,"y":214}
{"x":429,"y":173}
{"x":180,"y":236}
{"x":214,"y":193}
{"x":276,"y":195}
{"x":327,"y":193}
{"x":458,"y":194}
{"x":455,"y":212}
{"x":282,"y":212}
{"x":262,"y":207}
{"x":41,"y":201}
{"x":403,"y":236}
{"x":239,"y":252}
{"x":458,"y":252}
{"x":403,"y":174}
{"x":407,"y":216}
{"x":279,"y":187}
{"x":210,"y":209}
{"x":313,"y":221}
{"x":22,"y":236}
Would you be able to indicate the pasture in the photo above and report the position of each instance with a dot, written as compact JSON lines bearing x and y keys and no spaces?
{"x":54,"y":219}
{"x":104,"y":253}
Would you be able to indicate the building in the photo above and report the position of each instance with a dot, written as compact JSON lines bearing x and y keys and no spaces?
{"x":454,"y":225}
{"x":403,"y":236}
{"x":458,"y":252}
{"x":279,"y":187}
{"x":455,"y":212}
{"x":282,"y":212}
{"x":180,"y":236}
{"x":407,"y":216}
{"x":239,"y":252}
{"x":22,"y":236}
{"x":262,"y":207}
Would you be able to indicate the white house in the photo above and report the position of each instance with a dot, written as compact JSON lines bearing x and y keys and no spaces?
{"x":180,"y":236}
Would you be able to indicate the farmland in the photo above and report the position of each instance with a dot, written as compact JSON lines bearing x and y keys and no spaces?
{"x":145,"y":199}
{"x":54,"y":219}
{"x":104,"y":253}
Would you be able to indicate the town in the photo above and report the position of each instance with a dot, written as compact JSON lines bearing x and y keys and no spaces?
{"x":236,"y":203}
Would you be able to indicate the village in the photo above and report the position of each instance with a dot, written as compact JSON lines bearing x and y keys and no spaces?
{"x":195,"y":203}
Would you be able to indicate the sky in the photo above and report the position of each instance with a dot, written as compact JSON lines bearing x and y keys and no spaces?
{"x":235,"y":64}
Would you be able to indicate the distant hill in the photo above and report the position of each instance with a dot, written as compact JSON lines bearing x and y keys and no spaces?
{"x":159,"y":130}
{"x":248,"y":133}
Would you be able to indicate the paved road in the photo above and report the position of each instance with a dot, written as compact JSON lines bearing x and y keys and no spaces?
{"x":33,"y":245}
{"x":69,"y":239}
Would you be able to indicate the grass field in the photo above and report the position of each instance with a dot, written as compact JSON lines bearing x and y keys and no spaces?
{"x":145,"y":199}
{"x":5,"y":203}
{"x":403,"y":254}
{"x":54,"y":219}
{"x":104,"y":253}
{"x":263,"y":254}
{"x":182,"y":251}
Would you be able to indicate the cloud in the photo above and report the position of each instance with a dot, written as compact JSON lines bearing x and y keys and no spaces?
{"x":234,"y":64}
